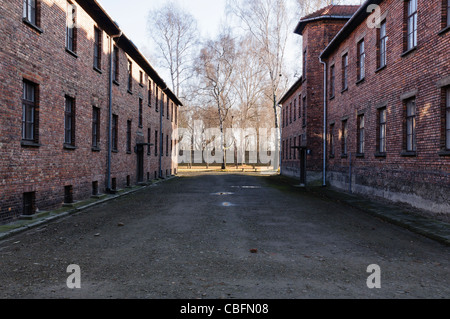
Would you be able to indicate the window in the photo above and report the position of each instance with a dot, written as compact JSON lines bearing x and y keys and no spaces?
{"x":129,"y":136}
{"x":344,"y":138}
{"x":299,"y":106}
{"x":332,"y":81}
{"x":130,"y":76}
{"x":140,"y":112}
{"x":29,"y":112}
{"x":295,"y":150}
{"x":382,"y":45}
{"x":344,"y":71}
{"x":141,"y":78}
{"x":282,"y":116}
{"x":411,"y":25}
{"x":149,"y":132}
{"x":116,"y":64}
{"x":410,"y":125}
{"x":30,"y":11}
{"x":361,"y":61}
{"x":168,"y":104}
{"x":447,"y":118}
{"x":95,"y":127}
{"x":448,"y":13}
{"x":69,"y":122}
{"x":71,"y":27}
{"x":361,"y":134}
{"x":115,"y":132}
{"x":156,"y":143}
{"x":381,"y":143}
{"x":295,"y":110}
{"x":156,"y":98}
{"x":332,"y":140}
{"x":98,"y":35}
{"x":290,"y":148}
{"x":304,"y":111}
{"x":162,"y":104}
{"x":149,"y":93}
{"x":176,"y":114}
{"x":290,"y":113}
{"x":304,"y":64}
{"x":167,"y":145}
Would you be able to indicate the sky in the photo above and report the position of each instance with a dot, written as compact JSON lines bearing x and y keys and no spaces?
{"x":132,"y":15}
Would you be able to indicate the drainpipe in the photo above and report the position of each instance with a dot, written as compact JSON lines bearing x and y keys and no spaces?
{"x":111,"y":51}
{"x":324,"y":173}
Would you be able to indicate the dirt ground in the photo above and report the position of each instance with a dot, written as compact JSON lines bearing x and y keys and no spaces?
{"x":222,"y":236}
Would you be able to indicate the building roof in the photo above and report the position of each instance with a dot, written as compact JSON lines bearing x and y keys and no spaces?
{"x":359,"y":17}
{"x":340,"y":12}
{"x":291,"y":91}
{"x":99,"y":15}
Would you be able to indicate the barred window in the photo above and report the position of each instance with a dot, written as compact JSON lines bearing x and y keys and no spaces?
{"x":129,"y":136}
{"x":361,"y":134}
{"x":361,"y":60}
{"x":98,"y":35}
{"x":130,"y":76}
{"x":411,"y":125}
{"x":332,"y":80}
{"x":69,"y":122}
{"x":29,"y":111}
{"x":411,"y":23}
{"x":115,"y":64}
{"x":71,"y":21}
{"x":382,"y":130}
{"x":30,"y":11}
{"x":447,"y":119}
{"x":95,"y":127}
{"x":382,"y":45}
{"x":344,"y":137}
{"x":115,"y":132}
{"x":332,"y":140}
{"x":344,"y":71}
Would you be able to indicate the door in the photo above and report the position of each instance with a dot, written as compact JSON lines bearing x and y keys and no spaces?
{"x":140,"y":163}
{"x":302,"y":166}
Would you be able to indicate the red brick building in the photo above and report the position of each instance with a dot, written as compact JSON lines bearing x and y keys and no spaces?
{"x":82,"y":112}
{"x":302,"y":106}
{"x":387,"y":103}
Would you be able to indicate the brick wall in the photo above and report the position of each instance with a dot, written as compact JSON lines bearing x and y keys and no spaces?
{"x":39,"y":55}
{"x":307,"y":124}
{"x":421,"y":178}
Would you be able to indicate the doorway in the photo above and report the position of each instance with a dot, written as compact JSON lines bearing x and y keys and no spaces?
{"x":140,"y":163}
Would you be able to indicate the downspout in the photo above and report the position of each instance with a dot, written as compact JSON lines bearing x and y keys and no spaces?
{"x":111,"y":51}
{"x":324,"y":173}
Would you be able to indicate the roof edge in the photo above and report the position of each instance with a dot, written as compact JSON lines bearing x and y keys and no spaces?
{"x":360,"y":15}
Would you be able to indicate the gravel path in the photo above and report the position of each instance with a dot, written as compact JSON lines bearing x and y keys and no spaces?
{"x":214,"y":236}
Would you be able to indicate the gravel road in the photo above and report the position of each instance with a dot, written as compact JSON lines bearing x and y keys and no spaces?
{"x":212,"y":236}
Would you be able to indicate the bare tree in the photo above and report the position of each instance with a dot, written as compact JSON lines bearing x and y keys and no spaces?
{"x":176,"y":35}
{"x":216,"y":69}
{"x":267,"y":22}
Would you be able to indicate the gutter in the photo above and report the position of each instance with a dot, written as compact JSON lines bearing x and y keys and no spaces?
{"x":111,"y":51}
